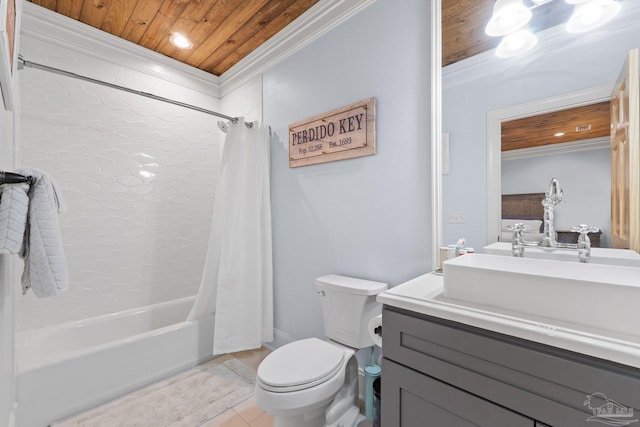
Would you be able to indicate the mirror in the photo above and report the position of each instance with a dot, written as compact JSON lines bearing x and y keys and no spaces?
{"x":560,"y":69}
{"x":572,"y":164}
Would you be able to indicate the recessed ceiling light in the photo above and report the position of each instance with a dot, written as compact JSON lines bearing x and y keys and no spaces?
{"x":559,"y":134}
{"x":180,"y":41}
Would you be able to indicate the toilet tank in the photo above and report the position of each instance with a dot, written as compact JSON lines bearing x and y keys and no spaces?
{"x":348,"y":304}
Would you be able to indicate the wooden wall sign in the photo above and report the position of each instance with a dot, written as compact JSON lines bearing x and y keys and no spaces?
{"x":344,"y":133}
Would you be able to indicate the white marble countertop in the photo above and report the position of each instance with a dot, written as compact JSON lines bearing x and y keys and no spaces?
{"x":424,"y":294}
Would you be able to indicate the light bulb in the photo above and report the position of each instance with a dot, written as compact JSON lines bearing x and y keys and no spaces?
{"x":516,"y":43}
{"x":592,"y":14}
{"x":508,"y":16}
{"x":180,"y":41}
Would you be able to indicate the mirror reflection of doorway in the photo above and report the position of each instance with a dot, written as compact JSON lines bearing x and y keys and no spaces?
{"x":571,"y":145}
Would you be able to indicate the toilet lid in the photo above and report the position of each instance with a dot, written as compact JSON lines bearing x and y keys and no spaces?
{"x":301,"y":363}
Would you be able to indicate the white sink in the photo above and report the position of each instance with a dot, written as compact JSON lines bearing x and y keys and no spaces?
{"x":622,"y":257}
{"x":594,"y":295}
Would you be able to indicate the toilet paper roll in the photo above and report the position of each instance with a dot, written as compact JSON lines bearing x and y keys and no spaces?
{"x":375,"y":330}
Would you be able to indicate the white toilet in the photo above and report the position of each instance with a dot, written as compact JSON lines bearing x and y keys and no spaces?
{"x":314,"y":383}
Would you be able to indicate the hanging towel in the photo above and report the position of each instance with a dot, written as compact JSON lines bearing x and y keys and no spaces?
{"x":45,"y":265}
{"x":14,"y":204}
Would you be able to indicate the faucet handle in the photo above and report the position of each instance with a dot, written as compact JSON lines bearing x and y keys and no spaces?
{"x":584,"y":231}
{"x":518,"y":227}
{"x":517,"y":239}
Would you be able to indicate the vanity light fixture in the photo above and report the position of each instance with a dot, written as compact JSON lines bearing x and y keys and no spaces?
{"x":180,"y":41}
{"x":559,"y":134}
{"x":508,"y":16}
{"x":590,"y":14}
{"x":516,"y":43}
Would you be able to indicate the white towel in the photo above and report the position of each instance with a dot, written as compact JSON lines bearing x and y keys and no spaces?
{"x":14,"y":204}
{"x":45,"y":265}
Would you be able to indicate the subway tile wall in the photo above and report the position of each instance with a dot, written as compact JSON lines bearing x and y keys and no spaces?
{"x":138,"y":177}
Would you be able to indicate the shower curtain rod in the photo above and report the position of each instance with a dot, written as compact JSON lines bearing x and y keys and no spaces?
{"x":24,"y":63}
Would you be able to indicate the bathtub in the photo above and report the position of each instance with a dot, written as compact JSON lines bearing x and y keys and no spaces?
{"x":71,"y":367}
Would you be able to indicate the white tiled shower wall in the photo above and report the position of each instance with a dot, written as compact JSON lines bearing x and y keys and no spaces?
{"x":139,"y":179}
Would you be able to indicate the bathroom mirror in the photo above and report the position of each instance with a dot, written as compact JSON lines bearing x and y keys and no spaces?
{"x":558,"y":68}
{"x":582,"y":167}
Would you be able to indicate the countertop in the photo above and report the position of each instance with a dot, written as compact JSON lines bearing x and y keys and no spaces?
{"x":424,"y":294}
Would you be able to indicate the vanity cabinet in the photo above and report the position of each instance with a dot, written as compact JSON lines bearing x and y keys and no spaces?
{"x":441,"y":373}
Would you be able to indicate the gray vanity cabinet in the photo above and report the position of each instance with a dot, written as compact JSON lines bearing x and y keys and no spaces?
{"x":441,"y":373}
{"x":420,"y":400}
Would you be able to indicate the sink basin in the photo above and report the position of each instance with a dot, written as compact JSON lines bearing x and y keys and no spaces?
{"x":595,"y":295}
{"x":622,"y":257}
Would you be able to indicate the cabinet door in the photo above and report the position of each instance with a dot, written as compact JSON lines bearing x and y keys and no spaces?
{"x":411,"y":399}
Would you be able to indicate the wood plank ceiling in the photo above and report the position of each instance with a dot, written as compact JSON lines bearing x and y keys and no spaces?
{"x":541,"y":130}
{"x":225,"y":31}
{"x":222,"y":32}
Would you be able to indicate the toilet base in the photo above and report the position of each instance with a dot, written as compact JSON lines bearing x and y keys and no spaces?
{"x":349,"y":419}
{"x":312,"y":418}
{"x":316,"y":418}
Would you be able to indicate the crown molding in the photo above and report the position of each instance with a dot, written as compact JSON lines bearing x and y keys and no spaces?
{"x":550,"y":40}
{"x":565,"y":147}
{"x":318,"y":20}
{"x":42,"y":24}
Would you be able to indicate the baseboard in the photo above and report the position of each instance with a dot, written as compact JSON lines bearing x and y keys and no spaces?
{"x":12,"y":415}
{"x":279,"y":339}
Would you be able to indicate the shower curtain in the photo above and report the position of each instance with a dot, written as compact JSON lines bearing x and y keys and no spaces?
{"x":237,"y":282}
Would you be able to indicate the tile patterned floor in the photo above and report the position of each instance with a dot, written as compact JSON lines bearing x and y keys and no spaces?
{"x":218,"y":393}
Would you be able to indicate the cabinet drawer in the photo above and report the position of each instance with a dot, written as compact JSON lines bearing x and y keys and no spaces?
{"x":541,"y":382}
{"x":411,"y":399}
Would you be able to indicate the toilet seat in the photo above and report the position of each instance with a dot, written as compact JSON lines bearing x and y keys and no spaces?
{"x":300,"y":365}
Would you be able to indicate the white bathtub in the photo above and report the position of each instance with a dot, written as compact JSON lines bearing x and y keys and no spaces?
{"x":68,"y":368}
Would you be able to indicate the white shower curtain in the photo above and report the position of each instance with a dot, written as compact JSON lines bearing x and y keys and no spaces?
{"x":237,"y":282}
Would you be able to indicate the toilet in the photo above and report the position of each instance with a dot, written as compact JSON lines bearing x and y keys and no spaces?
{"x":313,"y":382}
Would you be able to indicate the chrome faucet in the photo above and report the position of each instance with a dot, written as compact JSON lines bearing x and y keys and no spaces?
{"x":549,"y":241}
{"x":552,"y":198}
